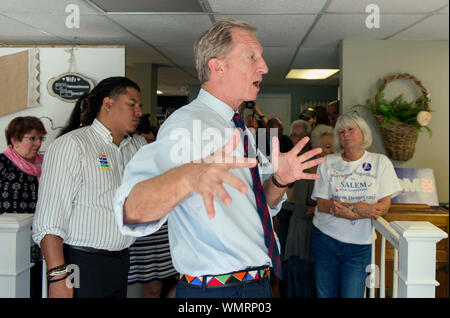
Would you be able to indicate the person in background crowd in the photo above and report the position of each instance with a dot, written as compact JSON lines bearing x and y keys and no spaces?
{"x":281,"y":220}
{"x":322,"y":115}
{"x":355,"y":186}
{"x":333,"y":112}
{"x":300,"y":129}
{"x":251,"y":122}
{"x":222,"y":242}
{"x":285,"y":142}
{"x":150,"y":260}
{"x":144,"y":128}
{"x":299,"y":268}
{"x":310,"y":116}
{"x":20,"y":172}
{"x":74,"y":222}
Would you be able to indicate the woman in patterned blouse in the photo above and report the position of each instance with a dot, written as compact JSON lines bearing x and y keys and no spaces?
{"x":20,"y":170}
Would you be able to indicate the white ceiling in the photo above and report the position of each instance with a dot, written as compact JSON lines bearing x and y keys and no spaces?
{"x":294,"y":33}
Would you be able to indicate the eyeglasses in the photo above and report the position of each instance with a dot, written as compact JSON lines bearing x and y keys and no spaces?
{"x":33,"y":139}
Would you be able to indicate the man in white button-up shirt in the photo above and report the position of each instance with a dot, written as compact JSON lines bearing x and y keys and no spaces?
{"x":217,"y":233}
{"x":74,"y":222}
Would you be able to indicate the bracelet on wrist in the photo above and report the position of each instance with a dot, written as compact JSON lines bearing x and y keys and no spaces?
{"x":277,"y":184}
{"x":58,"y":270}
{"x":58,"y":279}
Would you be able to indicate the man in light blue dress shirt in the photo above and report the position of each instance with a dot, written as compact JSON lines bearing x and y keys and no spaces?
{"x":215,"y":232}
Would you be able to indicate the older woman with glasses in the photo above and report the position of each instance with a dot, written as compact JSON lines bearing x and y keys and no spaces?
{"x":355,"y":187}
{"x":20,"y":170}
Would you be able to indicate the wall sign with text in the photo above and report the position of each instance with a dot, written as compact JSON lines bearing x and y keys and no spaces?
{"x":69,"y":86}
{"x":419,"y":186}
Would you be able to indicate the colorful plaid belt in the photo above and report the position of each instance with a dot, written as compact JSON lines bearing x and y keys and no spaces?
{"x":226,"y":279}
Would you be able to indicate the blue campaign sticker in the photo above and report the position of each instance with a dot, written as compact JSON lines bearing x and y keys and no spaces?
{"x":366,"y":166}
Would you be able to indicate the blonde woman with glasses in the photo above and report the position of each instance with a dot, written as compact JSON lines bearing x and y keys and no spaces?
{"x":355,"y":187}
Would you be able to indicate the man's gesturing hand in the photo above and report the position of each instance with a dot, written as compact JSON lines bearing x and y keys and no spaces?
{"x":289,"y":167}
{"x":207,"y":178}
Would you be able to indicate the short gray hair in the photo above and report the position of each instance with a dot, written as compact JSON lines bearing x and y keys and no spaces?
{"x":319,"y":131}
{"x":216,"y":42}
{"x":352,"y":119}
{"x":303,"y":122}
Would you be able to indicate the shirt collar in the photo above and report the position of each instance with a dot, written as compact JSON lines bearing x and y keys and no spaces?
{"x":105,"y":133}
{"x":224,"y":110}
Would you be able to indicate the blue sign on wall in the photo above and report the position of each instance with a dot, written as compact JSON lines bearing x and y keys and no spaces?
{"x":419,"y":186}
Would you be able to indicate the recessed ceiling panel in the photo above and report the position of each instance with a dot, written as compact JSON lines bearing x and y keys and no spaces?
{"x":165,"y":30}
{"x":93,"y":29}
{"x":277,"y":30}
{"x":277,"y":60}
{"x":57,"y":7}
{"x":432,"y":28}
{"x":317,"y":58}
{"x":266,"y":6}
{"x":386,"y":6}
{"x":332,"y":28}
{"x":148,"y":5}
{"x":184,"y":55}
{"x":13,"y":32}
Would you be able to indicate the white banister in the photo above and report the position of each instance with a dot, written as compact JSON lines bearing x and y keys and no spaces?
{"x":417,"y":258}
{"x":15,"y":242}
{"x":395,"y":279}
{"x":44,"y":279}
{"x":383,"y":227}
{"x":372,"y":270}
{"x":382,"y":268}
{"x":414,"y":257}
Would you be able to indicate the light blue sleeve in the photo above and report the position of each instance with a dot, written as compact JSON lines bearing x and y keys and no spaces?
{"x":150,"y":161}
{"x":274,"y":211}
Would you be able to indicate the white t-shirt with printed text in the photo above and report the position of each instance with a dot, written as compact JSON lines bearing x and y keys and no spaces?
{"x":368,"y":179}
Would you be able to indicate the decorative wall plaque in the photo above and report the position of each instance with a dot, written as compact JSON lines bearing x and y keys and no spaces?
{"x":69,"y":86}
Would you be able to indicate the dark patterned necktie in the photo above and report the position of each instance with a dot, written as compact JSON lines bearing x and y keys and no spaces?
{"x":263,"y":211}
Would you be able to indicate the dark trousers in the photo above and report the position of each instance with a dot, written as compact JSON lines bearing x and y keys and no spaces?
{"x":259,"y":288}
{"x":36,"y":280}
{"x":101,"y":276}
{"x":300,"y":278}
{"x":284,"y":216}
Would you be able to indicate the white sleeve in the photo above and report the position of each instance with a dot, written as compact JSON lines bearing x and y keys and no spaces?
{"x":60,"y":181}
{"x":321,"y":185}
{"x":388,"y":183}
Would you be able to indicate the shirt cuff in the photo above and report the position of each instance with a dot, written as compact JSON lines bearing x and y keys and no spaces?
{"x":135,"y":230}
{"x":274,"y":211}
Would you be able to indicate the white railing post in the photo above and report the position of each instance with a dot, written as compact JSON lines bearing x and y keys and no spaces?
{"x":417,"y":258}
{"x":15,"y":242}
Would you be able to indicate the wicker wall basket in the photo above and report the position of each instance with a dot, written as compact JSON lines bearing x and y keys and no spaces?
{"x":399,"y":138}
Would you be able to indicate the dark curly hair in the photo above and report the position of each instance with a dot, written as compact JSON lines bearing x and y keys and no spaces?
{"x":88,"y":105}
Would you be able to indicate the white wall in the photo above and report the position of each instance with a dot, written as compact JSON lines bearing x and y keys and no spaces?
{"x":365,"y":62}
{"x":96,"y":63}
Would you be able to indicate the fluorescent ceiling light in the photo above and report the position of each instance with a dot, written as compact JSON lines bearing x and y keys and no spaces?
{"x":311,"y":74}
{"x":159,"y":92}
